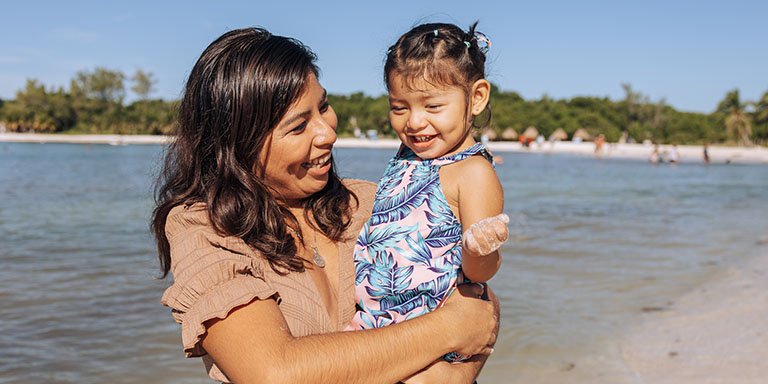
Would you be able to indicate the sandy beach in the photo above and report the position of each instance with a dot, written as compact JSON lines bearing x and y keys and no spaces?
{"x":716,"y":334}
{"x":43,"y":138}
{"x":688,"y":153}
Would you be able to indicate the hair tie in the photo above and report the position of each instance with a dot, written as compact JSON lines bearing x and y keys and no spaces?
{"x":468,"y":44}
{"x":483,"y":42}
{"x":435,"y":32}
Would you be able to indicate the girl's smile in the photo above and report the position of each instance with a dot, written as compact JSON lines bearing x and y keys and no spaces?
{"x":423,"y":141}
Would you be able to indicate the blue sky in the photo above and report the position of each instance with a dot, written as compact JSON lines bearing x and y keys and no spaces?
{"x":688,"y":52}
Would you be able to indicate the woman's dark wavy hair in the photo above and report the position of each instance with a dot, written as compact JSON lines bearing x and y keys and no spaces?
{"x":441,"y":58}
{"x":239,"y":89}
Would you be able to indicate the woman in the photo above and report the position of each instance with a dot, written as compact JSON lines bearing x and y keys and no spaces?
{"x":257,"y":229}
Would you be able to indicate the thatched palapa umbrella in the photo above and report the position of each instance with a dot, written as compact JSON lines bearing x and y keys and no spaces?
{"x":509,"y":134}
{"x":490,"y":133}
{"x":531,"y":133}
{"x":558,"y":135}
{"x":582,"y":134}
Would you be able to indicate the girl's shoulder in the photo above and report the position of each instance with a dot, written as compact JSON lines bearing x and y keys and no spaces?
{"x":472,"y":169}
{"x":467,"y":176}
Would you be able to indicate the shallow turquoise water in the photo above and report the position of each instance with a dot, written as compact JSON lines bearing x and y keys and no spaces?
{"x":593,"y":243}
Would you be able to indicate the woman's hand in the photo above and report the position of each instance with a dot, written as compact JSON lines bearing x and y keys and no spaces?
{"x":441,"y":372}
{"x":486,"y":235}
{"x":466,"y":372}
{"x":474,"y":320}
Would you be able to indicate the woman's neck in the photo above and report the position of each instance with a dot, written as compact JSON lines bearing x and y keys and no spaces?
{"x":297,"y":210}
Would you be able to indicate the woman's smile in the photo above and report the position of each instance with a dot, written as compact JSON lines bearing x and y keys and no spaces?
{"x":320,"y":162}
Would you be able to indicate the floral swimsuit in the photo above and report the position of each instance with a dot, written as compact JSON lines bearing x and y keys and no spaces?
{"x":408,"y":254}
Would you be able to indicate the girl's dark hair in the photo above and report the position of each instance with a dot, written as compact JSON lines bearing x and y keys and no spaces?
{"x":441,"y":54}
{"x":238,"y":91}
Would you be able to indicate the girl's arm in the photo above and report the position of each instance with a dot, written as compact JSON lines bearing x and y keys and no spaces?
{"x":253,"y":344}
{"x":480,"y":197}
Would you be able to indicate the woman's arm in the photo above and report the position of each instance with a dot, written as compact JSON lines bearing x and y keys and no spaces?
{"x":253,"y":344}
{"x":443,"y":372}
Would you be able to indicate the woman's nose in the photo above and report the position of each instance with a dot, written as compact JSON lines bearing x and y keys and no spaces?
{"x":325,"y":131}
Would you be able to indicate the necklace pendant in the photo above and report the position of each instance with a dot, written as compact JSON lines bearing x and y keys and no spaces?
{"x":318,"y":259}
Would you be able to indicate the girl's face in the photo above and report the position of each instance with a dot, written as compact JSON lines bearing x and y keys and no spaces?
{"x":434,"y":121}
{"x":296,"y":158}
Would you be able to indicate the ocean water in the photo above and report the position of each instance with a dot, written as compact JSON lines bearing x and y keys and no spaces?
{"x":594,"y":244}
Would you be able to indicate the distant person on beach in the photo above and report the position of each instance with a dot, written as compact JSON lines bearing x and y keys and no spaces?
{"x":655,"y":155}
{"x":437,"y":216}
{"x":674,"y":156}
{"x":599,"y":143}
{"x":258,"y":230}
{"x":706,"y":153}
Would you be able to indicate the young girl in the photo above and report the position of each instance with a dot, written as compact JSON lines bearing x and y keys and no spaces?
{"x":409,"y":255}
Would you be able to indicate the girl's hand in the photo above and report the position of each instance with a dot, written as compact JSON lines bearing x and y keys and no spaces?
{"x":486,"y":235}
{"x":473,"y":319}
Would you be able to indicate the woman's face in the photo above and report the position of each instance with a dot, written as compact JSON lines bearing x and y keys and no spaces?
{"x":296,"y":158}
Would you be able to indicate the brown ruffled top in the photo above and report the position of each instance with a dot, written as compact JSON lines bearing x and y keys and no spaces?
{"x":214,"y":274}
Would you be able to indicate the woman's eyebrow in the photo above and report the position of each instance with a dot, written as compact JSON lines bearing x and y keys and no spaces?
{"x":297,"y":117}
{"x":303,"y":115}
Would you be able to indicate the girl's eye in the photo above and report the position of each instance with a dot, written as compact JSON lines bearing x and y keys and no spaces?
{"x":433,"y":106}
{"x":324,"y":107}
{"x":396,"y":109}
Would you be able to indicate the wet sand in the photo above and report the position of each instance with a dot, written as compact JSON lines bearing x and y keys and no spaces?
{"x":716,"y":334}
{"x":688,"y":153}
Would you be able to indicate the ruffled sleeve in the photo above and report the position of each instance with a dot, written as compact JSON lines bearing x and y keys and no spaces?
{"x":212,"y":274}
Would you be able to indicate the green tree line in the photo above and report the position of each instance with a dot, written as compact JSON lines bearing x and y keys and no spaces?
{"x":94,"y":103}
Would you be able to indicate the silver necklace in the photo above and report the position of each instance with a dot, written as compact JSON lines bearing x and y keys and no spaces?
{"x":317,"y":258}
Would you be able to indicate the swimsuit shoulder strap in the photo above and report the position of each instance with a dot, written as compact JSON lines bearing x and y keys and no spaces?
{"x":471,"y":151}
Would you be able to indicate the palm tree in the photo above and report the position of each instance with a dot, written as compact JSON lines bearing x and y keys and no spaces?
{"x":760,"y":117}
{"x":761,"y":109}
{"x":737,"y":120}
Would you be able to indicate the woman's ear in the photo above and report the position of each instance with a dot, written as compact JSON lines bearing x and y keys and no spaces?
{"x":479,"y":96}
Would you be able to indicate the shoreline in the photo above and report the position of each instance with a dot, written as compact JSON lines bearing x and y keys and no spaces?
{"x":688,"y":153}
{"x":44,"y":138}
